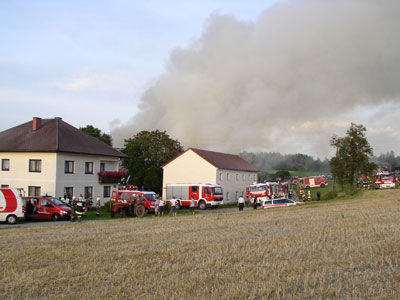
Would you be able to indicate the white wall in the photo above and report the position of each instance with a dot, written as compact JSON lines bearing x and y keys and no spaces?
{"x":188,"y":168}
{"x":79,"y":180}
{"x":234,"y":183}
{"x":20,"y":177}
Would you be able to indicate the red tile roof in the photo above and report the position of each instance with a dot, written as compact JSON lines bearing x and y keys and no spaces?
{"x":54,"y":135}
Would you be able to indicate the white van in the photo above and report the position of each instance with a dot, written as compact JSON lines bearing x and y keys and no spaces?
{"x":11,"y":206}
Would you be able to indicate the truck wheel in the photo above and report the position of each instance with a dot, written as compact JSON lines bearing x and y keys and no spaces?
{"x":56,"y":217}
{"x":307,"y":187}
{"x":11,"y":219}
{"x":322,"y":185}
{"x":139,"y":211}
{"x":202,"y":205}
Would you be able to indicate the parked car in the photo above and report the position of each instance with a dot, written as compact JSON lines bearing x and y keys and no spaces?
{"x":11,"y":206}
{"x":279,"y":202}
{"x":46,"y":208}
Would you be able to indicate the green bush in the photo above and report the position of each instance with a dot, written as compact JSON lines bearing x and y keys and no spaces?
{"x":328,"y":195}
{"x":108,"y":205}
{"x":167,"y":208}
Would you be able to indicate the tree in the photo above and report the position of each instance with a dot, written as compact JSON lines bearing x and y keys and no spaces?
{"x":95,"y":132}
{"x":353,"y":154}
{"x":147,"y":152}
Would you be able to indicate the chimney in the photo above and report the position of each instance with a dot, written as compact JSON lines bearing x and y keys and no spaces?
{"x":36,"y":123}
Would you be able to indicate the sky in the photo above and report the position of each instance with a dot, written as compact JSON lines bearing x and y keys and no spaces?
{"x":221,"y":75}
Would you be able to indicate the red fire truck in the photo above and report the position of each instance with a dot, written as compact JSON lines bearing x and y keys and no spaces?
{"x":204,"y":195}
{"x":11,"y":206}
{"x":384,"y":180}
{"x":265,"y":190}
{"x":314,"y":181}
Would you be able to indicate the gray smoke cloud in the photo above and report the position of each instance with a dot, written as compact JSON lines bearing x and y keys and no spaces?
{"x":286,"y":82}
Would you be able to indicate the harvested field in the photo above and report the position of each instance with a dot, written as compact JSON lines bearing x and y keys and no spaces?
{"x":342,"y":249}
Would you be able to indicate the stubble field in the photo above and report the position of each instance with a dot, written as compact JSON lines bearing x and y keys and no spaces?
{"x":342,"y":249}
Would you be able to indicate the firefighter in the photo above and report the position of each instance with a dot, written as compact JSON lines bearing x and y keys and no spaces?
{"x":303,"y":194}
{"x":73,"y":202}
{"x":309,"y":195}
{"x":98,"y":207}
{"x":80,"y":209}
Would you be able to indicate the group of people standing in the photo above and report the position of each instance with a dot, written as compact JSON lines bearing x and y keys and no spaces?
{"x":252,"y":201}
{"x":160,"y":206}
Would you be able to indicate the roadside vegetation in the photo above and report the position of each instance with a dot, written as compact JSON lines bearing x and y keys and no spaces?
{"x":342,"y":249}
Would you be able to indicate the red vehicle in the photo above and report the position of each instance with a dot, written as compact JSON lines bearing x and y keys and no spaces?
{"x":11,"y":206}
{"x":148,"y":198}
{"x":204,"y":195}
{"x":46,"y":208}
{"x":265,"y":190}
{"x":385,"y":180}
{"x":314,"y":181}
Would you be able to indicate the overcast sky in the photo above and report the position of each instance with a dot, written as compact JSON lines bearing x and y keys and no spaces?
{"x":93,"y":62}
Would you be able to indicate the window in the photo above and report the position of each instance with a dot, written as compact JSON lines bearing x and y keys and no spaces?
{"x":88,"y":192}
{"x":69,"y":192}
{"x":44,"y":202}
{"x":69,"y":167}
{"x":35,"y":165}
{"x":106,"y":191}
{"x":33,"y":190}
{"x":243,"y":177}
{"x":5,"y":165}
{"x":227,"y":176}
{"x":237,"y":177}
{"x":220,"y":176}
{"x":255,"y":177}
{"x":124,"y":196}
{"x":102,"y":167}
{"x":237,"y":195}
{"x":88,"y":168}
{"x":4,"y":186}
{"x":207,"y":190}
{"x":227,"y":196}
{"x":195,"y":189}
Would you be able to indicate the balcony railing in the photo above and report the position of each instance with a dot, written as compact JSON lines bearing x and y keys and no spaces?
{"x":111,"y":176}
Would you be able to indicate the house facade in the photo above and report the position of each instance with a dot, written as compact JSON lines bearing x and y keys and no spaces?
{"x":49,"y":156}
{"x":201,"y":166}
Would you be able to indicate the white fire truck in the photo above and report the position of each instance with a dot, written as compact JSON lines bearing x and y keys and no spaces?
{"x":384,"y":180}
{"x":204,"y":195}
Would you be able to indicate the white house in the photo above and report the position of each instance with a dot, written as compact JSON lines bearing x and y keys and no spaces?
{"x":232,"y":172}
{"x":49,"y":156}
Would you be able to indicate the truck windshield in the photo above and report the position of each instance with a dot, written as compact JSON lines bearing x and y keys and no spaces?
{"x":56,"y":201}
{"x":217,"y":191}
{"x":151,"y":197}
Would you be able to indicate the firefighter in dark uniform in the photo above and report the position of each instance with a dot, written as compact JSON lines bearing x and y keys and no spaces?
{"x":80,"y":209}
{"x":73,"y":202}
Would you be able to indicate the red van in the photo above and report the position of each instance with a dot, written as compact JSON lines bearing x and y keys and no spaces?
{"x":148,"y":198}
{"x":46,"y":208}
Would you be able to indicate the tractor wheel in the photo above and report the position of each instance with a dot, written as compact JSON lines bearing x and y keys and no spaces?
{"x":139,"y":210}
{"x":202,"y":205}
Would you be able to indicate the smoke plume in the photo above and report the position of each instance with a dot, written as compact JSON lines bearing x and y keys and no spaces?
{"x":285,"y":82}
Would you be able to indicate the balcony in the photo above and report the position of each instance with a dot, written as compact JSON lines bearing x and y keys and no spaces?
{"x":112,"y":177}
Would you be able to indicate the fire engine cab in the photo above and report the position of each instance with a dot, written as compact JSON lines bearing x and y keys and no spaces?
{"x":265,"y":190}
{"x":314,"y":181}
{"x":384,"y":180}
{"x":204,"y":195}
